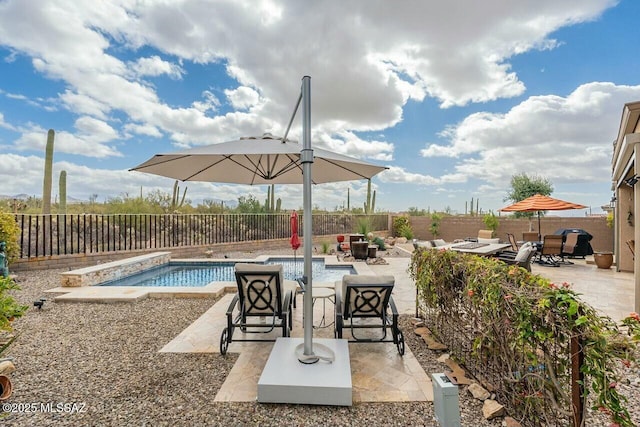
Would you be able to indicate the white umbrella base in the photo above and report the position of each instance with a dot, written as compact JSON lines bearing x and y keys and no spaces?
{"x":287,"y":380}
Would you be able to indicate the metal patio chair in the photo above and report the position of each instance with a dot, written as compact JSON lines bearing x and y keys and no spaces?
{"x":365,"y":302}
{"x":261,"y":295}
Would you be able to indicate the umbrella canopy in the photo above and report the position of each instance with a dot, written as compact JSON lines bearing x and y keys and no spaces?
{"x":295,"y":240}
{"x":255,"y":161}
{"x":539,"y":203}
{"x":270,"y":160}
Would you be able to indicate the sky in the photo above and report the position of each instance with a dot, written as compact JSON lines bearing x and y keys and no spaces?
{"x":453,"y":97}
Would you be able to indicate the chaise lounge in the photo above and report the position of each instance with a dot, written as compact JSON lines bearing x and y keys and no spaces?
{"x":365,"y":302}
{"x":261,"y":295}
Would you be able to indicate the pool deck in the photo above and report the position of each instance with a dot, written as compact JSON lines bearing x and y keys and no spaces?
{"x":379,"y":374}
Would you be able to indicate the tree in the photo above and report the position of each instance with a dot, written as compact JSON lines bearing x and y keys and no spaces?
{"x":249,"y":204}
{"x":523,"y":186}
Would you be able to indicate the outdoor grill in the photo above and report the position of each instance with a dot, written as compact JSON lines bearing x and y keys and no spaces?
{"x":583,"y":248}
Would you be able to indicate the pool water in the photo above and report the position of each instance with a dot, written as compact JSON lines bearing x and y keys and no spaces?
{"x":199,"y":274}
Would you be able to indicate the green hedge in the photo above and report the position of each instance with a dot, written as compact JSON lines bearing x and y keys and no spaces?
{"x":512,"y":331}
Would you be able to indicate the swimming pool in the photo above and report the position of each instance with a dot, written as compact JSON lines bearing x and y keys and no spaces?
{"x":198,"y":274}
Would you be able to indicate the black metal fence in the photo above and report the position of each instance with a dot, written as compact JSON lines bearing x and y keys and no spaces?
{"x":45,"y":235}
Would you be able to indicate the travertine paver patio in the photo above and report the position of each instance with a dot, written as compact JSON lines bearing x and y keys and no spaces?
{"x":379,"y":374}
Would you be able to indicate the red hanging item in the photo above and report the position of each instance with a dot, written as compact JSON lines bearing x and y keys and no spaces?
{"x":295,"y":240}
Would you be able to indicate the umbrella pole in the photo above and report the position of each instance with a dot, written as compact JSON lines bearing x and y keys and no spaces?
{"x":539,"y":231}
{"x":306,"y":157}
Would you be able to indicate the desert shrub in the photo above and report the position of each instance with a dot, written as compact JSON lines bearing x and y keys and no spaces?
{"x":513,"y":331}
{"x":402,"y":227}
{"x":10,"y":233}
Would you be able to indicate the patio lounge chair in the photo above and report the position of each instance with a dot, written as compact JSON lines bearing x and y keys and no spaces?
{"x":551,"y":250}
{"x":486,"y":236}
{"x":365,"y":302}
{"x":569,"y":247}
{"x":522,"y":258}
{"x":261,"y":294}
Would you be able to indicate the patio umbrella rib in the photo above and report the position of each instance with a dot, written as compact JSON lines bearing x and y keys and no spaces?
{"x":206,"y":168}
{"x":160,"y":160}
{"x":346,"y":168}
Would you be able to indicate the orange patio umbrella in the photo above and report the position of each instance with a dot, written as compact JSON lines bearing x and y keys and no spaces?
{"x":539,"y":203}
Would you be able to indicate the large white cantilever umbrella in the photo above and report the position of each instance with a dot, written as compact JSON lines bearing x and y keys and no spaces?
{"x":269,"y":160}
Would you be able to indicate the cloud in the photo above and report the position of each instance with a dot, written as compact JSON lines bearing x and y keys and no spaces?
{"x":156,"y":66}
{"x":142,"y":130}
{"x":88,"y":141}
{"x":400,"y":175}
{"x":565,"y":139}
{"x":242,"y":98}
{"x":367,"y":65}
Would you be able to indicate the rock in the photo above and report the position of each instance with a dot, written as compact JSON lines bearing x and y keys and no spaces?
{"x":511,"y":422}
{"x":492,"y":409}
{"x":443,"y":358}
{"x":457,"y":372}
{"x":432,"y":344}
{"x":401,"y":240}
{"x":478,"y":392}
{"x":6,"y":367}
{"x":417,"y":322}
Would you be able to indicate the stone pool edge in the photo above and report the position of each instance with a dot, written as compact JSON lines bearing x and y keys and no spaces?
{"x":114,"y":294}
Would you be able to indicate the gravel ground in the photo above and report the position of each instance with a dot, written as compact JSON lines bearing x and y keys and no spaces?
{"x":104,"y":359}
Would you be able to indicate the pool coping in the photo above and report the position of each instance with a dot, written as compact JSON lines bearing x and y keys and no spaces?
{"x":115,"y":294}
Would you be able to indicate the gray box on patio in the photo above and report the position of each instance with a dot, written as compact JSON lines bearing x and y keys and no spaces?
{"x":446,"y":404}
{"x":285,"y":379}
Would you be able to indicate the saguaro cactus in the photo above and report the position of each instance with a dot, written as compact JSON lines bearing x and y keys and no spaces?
{"x":270,"y":202}
{"x":62,"y":191}
{"x":176,"y":194}
{"x":48,"y":171}
{"x":370,"y":204}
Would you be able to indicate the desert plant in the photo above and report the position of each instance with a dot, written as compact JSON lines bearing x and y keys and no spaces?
{"x":176,"y":194}
{"x":370,"y":204}
{"x":325,"y":247}
{"x":9,"y":233}
{"x":434,"y":228}
{"x":491,"y":222}
{"x":379,"y":241}
{"x":610,"y":219}
{"x":48,"y":171}
{"x":363,"y":226}
{"x":9,"y":307}
{"x":62,"y":191}
{"x":402,"y":227}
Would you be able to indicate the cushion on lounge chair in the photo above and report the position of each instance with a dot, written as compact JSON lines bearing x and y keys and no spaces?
{"x":422,"y":244}
{"x":483,"y":240}
{"x":524,"y":251}
{"x":485,"y":234}
{"x":570,"y":243}
{"x":285,"y":285}
{"x":362,"y":279}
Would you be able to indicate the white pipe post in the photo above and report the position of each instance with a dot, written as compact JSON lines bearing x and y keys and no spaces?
{"x":306,"y":157}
